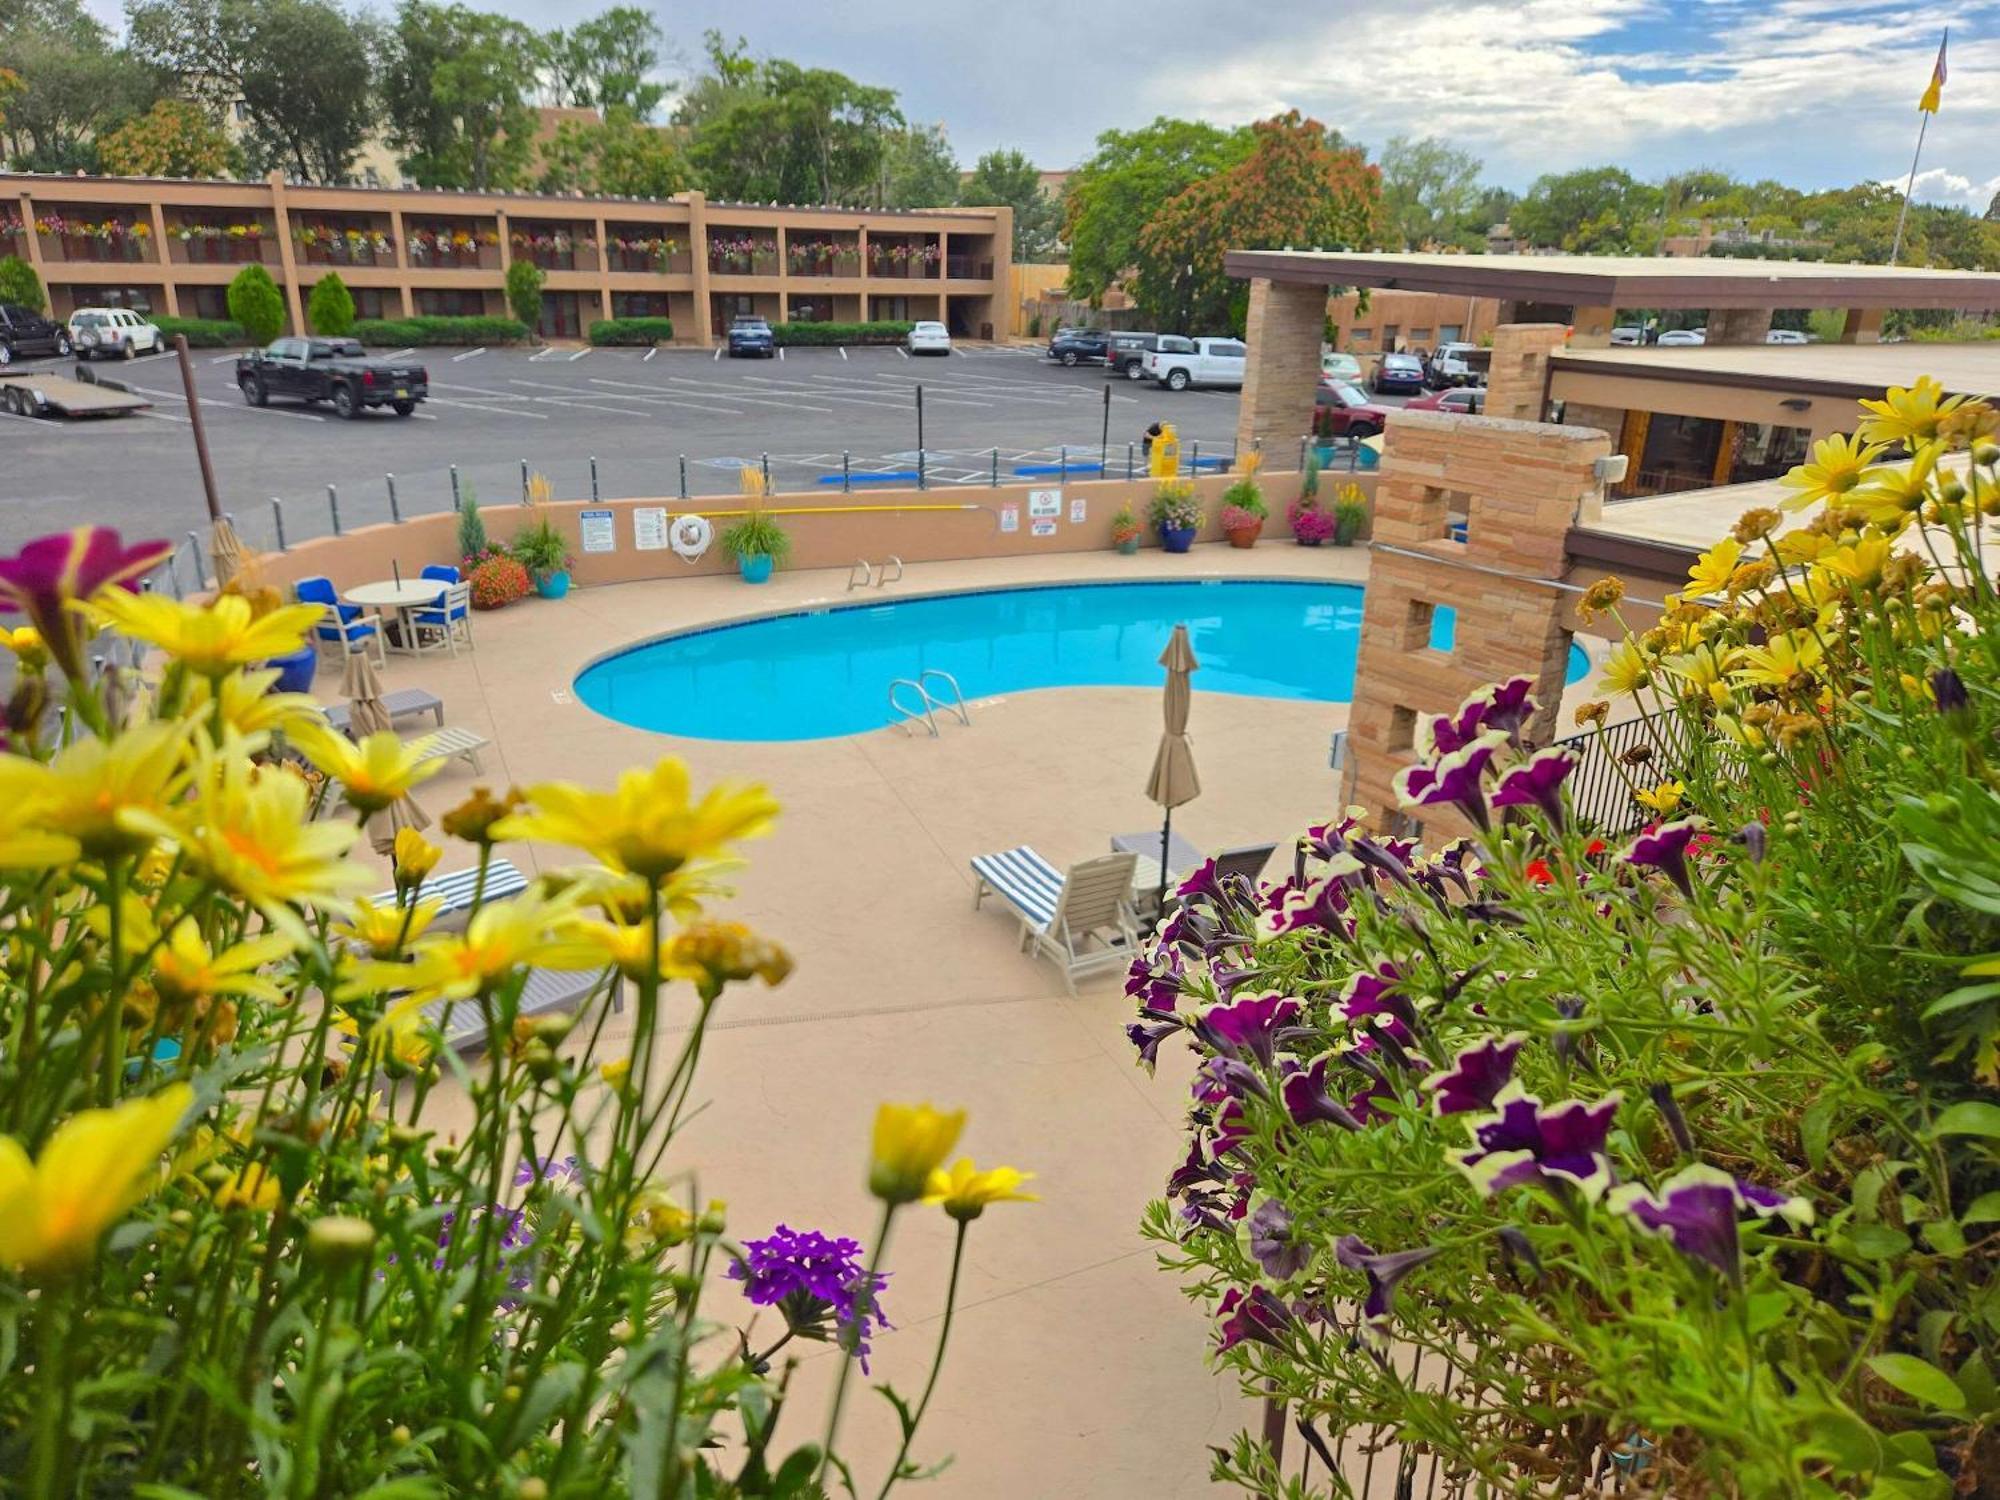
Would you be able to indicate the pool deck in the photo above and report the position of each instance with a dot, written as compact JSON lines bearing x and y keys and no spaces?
{"x":1076,"y":1366}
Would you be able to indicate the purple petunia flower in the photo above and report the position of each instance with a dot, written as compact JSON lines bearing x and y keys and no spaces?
{"x":1321,"y":903}
{"x":1665,"y":848}
{"x":1385,"y":1273}
{"x":1754,"y":838}
{"x":1307,"y":1099}
{"x":1248,"y":1027}
{"x":1509,"y":705}
{"x":820,"y":1286}
{"x":548,"y":1169}
{"x":1476,"y":1076}
{"x":1273,"y":1244}
{"x":1537,"y":782}
{"x":1256,"y":1316}
{"x":1696,"y":1210}
{"x":1223,"y":1078}
{"x":1154,"y":979}
{"x":1375,"y":993}
{"x":1148,"y":1032}
{"x":1456,"y":780}
{"x":43,"y":576}
{"x":1662,"y":1095}
{"x":1525,"y":1142}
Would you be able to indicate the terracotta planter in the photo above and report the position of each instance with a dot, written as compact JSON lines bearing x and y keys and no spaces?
{"x":1245,"y":536}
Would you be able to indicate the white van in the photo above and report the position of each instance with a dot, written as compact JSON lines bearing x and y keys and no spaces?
{"x":106,"y":331}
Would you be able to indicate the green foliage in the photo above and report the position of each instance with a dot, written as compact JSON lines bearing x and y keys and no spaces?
{"x":1174,"y":506}
{"x":395,"y":333}
{"x":330,"y":308}
{"x":1009,"y":178}
{"x":607,"y":63}
{"x":70,"y":86}
{"x":1350,"y":515}
{"x":1431,"y":196}
{"x":756,"y":535}
{"x":173,"y":139}
{"x":1125,"y":525}
{"x":524,"y":291}
{"x":826,"y":334}
{"x":20,"y":285}
{"x":1035,"y":326}
{"x":632,"y":331}
{"x":620,"y":155}
{"x":774,"y":131}
{"x":1246,"y":495}
{"x":1594,"y":210}
{"x":1309,"y":479}
{"x":203,"y":333}
{"x":454,"y":83}
{"x":472,"y":543}
{"x":256,"y":305}
{"x":1109,"y":200}
{"x":541,"y":547}
{"x":919,"y":169}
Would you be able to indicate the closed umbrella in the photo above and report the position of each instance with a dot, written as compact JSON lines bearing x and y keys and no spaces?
{"x":1174,"y":779}
{"x":225,"y":551}
{"x":366,"y":716}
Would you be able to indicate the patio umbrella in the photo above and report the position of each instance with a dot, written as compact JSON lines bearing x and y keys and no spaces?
{"x":225,"y":551}
{"x":1174,"y":779}
{"x":366,"y":716}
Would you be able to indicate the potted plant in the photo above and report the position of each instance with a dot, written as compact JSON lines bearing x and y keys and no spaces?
{"x":758,"y":544}
{"x":1175,"y":513}
{"x":1350,"y":514}
{"x":1126,"y":531}
{"x":1324,"y":433}
{"x":1243,"y":509}
{"x":543,"y":550}
{"x":1311,"y":522}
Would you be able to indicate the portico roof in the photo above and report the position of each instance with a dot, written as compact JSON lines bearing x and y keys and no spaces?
{"x":1650,"y":281}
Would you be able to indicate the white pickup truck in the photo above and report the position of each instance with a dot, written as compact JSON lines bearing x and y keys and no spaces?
{"x":1181,"y":362}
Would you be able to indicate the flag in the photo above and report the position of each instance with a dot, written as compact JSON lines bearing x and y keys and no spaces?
{"x":1929,"y":103}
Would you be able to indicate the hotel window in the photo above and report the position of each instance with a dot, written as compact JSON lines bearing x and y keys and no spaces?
{"x":435,"y":303}
{"x":735,"y":305}
{"x":1362,"y":335}
{"x":1391,"y":335}
{"x":373,"y":302}
{"x":1448,"y":333}
{"x":890,"y":309}
{"x":639,"y":305}
{"x":205,"y":302}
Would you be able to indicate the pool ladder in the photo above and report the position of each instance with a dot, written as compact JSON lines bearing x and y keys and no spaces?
{"x":901,"y":713}
{"x":864,"y":574}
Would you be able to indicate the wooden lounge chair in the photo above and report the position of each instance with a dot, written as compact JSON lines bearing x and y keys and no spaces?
{"x":1061,"y":913}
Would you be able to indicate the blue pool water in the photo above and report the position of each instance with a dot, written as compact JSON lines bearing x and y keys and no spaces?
{"x":826,"y":673}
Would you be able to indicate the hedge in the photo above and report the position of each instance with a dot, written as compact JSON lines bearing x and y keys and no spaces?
{"x":397,"y":333}
{"x":203,"y":333}
{"x":632,"y":331}
{"x":256,"y":303}
{"x":841,"y":333}
{"x":330,"y":308}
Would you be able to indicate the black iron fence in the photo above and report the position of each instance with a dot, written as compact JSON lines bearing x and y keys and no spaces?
{"x":1615,"y":760}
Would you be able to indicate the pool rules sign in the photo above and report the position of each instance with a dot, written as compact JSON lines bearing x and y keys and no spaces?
{"x":599,"y":530}
{"x":1044,"y":510}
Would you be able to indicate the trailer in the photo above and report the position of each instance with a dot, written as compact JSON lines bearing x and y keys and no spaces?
{"x":38,"y":393}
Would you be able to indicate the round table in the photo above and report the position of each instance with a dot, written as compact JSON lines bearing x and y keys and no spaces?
{"x":402,"y":598}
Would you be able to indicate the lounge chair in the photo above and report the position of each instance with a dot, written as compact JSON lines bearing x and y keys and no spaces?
{"x":453,"y":891}
{"x":401,"y":704}
{"x":1060,"y":913}
{"x":547,"y":990}
{"x":1248,"y":861}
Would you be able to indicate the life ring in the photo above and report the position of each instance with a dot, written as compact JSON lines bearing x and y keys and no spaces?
{"x":690,"y":536}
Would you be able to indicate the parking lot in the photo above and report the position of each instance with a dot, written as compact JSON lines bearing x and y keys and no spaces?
{"x":819,"y":417}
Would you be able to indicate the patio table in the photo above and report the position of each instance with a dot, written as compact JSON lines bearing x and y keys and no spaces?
{"x":402,"y":597}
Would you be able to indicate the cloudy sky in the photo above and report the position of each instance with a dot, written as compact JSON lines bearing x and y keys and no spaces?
{"x":1818,"y":93}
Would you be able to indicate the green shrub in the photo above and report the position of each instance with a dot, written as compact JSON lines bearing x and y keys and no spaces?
{"x":1246,"y":496}
{"x":756,"y":535}
{"x":826,"y":334}
{"x":632,"y":331}
{"x":256,"y":304}
{"x":1035,"y":326}
{"x":19,"y":284}
{"x":541,"y":548}
{"x":203,"y":333}
{"x":472,"y":544}
{"x":396,"y":333}
{"x":330,"y":308}
{"x":524,"y":291}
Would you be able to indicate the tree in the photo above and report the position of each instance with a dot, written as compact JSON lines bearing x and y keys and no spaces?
{"x":1009,"y":177}
{"x":330,"y":308}
{"x":795,"y":135}
{"x":1430,"y":192}
{"x":919,"y":169}
{"x":70,"y":85}
{"x":1600,"y":210}
{"x":1993,"y":208}
{"x":607,"y":63}
{"x":524,"y":291}
{"x":731,"y":71}
{"x":619,"y":155}
{"x":172,"y":139}
{"x":1112,"y":195}
{"x":301,"y":71}
{"x":20,"y":285}
{"x":455,"y":92}
{"x":1300,"y":185}
{"x":256,"y":305}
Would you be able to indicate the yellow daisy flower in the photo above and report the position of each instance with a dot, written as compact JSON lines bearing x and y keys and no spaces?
{"x":246,"y":703}
{"x":650,"y":826}
{"x":1800,"y":547}
{"x":1908,"y":417}
{"x":965,"y":1192}
{"x":1836,"y":466}
{"x":28,"y":648}
{"x":1662,"y":799}
{"x":373,"y":773}
{"x":501,"y":937}
{"x":1894,"y":492}
{"x":108,"y":795}
{"x":185,"y":968}
{"x":1711,"y":572}
{"x":211,"y":640}
{"x":911,"y":1142}
{"x":252,"y":1187}
{"x":1858,"y":563}
{"x":385,"y":930}
{"x":1626,"y":670}
{"x":1778,"y":661}
{"x":95,"y":1166}
{"x":416,"y":857}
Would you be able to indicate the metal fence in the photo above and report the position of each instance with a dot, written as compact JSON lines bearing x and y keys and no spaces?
{"x":1615,"y":759}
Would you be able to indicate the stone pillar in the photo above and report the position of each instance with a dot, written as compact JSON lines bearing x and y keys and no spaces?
{"x":704,"y":314}
{"x":1518,"y":378}
{"x":1282,"y":373}
{"x":1590,"y":327}
{"x":281,"y":225}
{"x":169,"y":292}
{"x":1518,"y":486}
{"x":399,"y":248}
{"x":603,"y":272}
{"x":1738,"y":325}
{"x":1863,"y":326}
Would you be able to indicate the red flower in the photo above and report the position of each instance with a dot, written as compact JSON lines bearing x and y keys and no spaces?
{"x":1539,"y":872}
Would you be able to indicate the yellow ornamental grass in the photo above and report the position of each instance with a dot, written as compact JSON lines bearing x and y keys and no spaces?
{"x":375,"y":772}
{"x":210,"y":640}
{"x":650,"y":825}
{"x":911,"y":1142}
{"x":97,"y":1164}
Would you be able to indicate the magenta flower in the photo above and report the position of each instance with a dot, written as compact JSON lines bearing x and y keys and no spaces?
{"x":1257,"y":1316}
{"x":1525,"y":1143}
{"x":1376,"y":994}
{"x":1308,"y":1100}
{"x":1476,"y":1076}
{"x":1509,"y":705}
{"x":1155,"y":978}
{"x":1537,"y":782}
{"x":1455,"y":781}
{"x":1385,"y":1273}
{"x":1273,"y":1241}
{"x":1696,"y":1211}
{"x":50,"y":572}
{"x":1249,"y":1026}
{"x":1665,"y":848}
{"x":1322,"y":903}
{"x":1502,"y":708}
{"x":1148,"y":1032}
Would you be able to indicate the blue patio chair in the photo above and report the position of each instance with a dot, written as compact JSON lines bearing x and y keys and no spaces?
{"x":345,"y":625}
{"x":450,"y":619}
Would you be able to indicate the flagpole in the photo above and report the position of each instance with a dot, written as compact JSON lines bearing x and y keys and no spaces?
{"x":1924,"y":123}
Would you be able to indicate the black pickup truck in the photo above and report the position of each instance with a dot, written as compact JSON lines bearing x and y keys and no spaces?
{"x":335,"y":370}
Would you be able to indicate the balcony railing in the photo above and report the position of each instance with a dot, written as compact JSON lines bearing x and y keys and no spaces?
{"x":915,"y":268}
{"x":127,"y":248}
{"x":818,"y":260}
{"x":454,"y":258}
{"x":371,"y":249}
{"x":744,"y":263}
{"x":675,"y":262}
{"x":969,"y":267}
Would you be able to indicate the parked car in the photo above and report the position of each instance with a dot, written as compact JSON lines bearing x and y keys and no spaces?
{"x":106,"y":331}
{"x":1127,"y":354}
{"x":1452,"y":364}
{"x":1682,"y":337}
{"x":1399,"y":372}
{"x":1340,"y":367}
{"x":1786,"y":336}
{"x":750,"y":335}
{"x":1628,"y":334}
{"x":1347,"y":409}
{"x":1179,"y":362}
{"x":1466,"y":400}
{"x":335,"y":370}
{"x":928,"y":338}
{"x":25,"y":332}
{"x":1079,"y":346}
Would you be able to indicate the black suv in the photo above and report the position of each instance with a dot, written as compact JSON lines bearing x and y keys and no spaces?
{"x":23,"y":332}
{"x":1127,"y":354}
{"x":1077,"y":346}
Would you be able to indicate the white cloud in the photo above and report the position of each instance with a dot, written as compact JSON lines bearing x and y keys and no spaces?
{"x":1942,"y":185}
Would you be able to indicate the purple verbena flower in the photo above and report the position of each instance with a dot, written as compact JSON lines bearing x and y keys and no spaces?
{"x":1385,"y":1273}
{"x":1476,"y":1076}
{"x":548,"y":1169}
{"x":1696,"y":1211}
{"x":1273,"y":1243}
{"x":820,"y":1286}
{"x":1527,"y":1143}
{"x":1665,"y":848}
{"x":1537,"y":782}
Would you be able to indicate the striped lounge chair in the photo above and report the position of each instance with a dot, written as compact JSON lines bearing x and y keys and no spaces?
{"x":453,"y":891}
{"x":1061,"y":913}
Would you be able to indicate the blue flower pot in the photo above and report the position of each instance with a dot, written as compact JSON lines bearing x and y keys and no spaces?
{"x":1324,"y":453}
{"x":755,"y":569}
{"x":552,"y":585}
{"x":296,"y":671}
{"x":1177,"y":538}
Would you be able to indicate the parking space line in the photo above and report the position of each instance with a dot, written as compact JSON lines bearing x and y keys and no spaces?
{"x":876,"y":390}
{"x":491,"y":410}
{"x":718,"y":353}
{"x":619,"y":411}
{"x":222,"y":359}
{"x":671,"y":398}
{"x":649,"y":354}
{"x":261,"y":411}
{"x":398,"y":354}
{"x":843,"y":353}
{"x":459,"y":359}
{"x":904,"y":352}
{"x":578,"y":355}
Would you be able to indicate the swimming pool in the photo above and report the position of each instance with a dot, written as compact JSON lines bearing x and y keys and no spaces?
{"x":826,"y":672}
